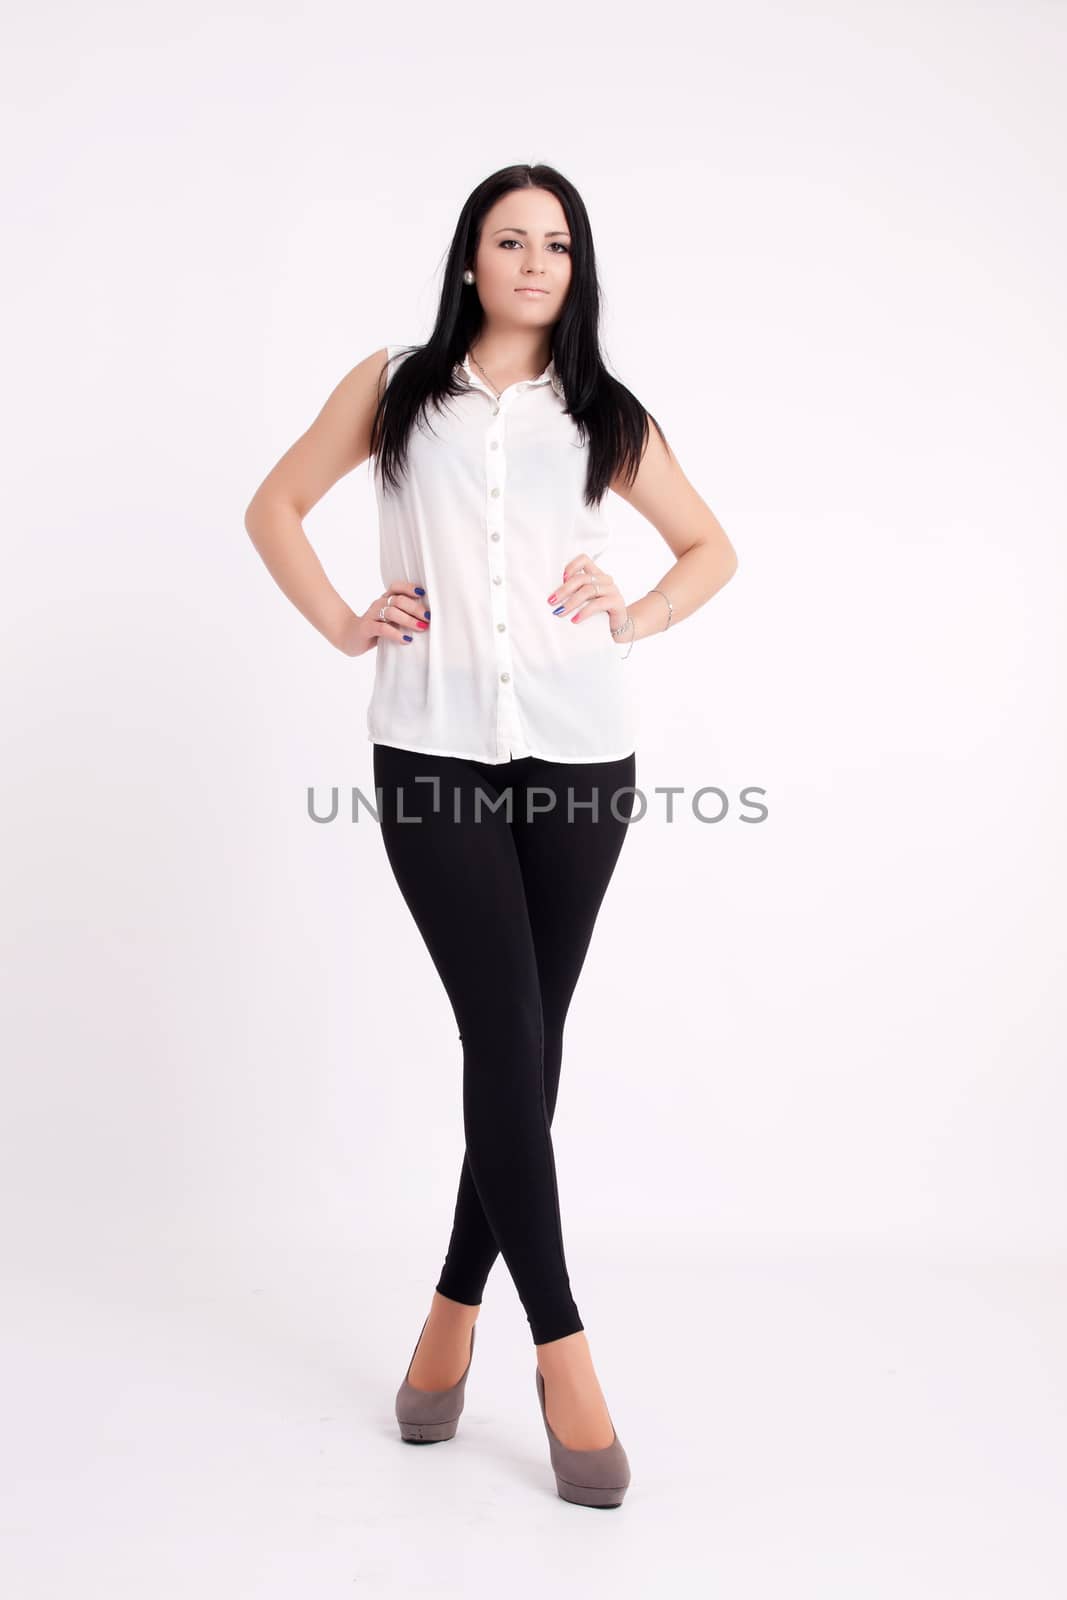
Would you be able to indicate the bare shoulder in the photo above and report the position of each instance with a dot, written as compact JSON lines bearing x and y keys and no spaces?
{"x":337,"y":441}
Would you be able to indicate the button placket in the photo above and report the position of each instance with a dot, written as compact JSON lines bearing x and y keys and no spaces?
{"x":496,"y":479}
{"x":510,"y":736}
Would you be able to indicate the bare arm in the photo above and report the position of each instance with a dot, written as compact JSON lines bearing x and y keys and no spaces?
{"x":707,"y":560}
{"x":337,"y":441}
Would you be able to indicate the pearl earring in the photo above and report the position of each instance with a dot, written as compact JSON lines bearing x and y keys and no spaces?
{"x":468,"y":276}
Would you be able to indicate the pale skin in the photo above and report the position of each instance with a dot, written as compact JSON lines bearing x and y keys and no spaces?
{"x":524,"y":241}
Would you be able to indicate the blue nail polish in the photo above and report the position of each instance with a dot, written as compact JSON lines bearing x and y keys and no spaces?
{"x":407,"y":636}
{"x":558,"y":610}
{"x":420,"y":591}
{"x":426,"y":614}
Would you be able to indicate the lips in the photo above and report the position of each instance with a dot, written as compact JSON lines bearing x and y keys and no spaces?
{"x":529,"y":288}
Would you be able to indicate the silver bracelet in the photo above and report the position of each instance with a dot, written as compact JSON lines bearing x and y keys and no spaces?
{"x":621,"y":629}
{"x":670,"y":608}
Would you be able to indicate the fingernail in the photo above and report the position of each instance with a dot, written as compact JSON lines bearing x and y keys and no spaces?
{"x":407,"y":636}
{"x":558,"y":610}
{"x":551,"y":598}
{"x":420,"y":591}
{"x":422,"y":624}
{"x":426,"y":613}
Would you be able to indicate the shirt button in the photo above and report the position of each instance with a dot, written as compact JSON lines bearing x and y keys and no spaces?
{"x":495,"y":445}
{"x":495,"y":411}
{"x":495,"y":493}
{"x":494,"y":536}
{"x":498,"y":579}
{"x":505,"y":677}
{"x":500,"y":627}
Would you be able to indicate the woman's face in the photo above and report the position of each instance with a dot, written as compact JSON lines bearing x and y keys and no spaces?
{"x":524,"y":244}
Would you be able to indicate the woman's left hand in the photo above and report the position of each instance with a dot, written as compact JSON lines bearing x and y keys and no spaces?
{"x":582,"y":579}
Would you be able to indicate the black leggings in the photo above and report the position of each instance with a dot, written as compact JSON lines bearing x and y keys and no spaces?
{"x":506,"y":907}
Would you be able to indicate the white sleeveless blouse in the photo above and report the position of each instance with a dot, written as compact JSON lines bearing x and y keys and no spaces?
{"x":489,"y":512}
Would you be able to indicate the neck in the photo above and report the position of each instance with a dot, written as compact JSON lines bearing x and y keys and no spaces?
{"x":511,"y":354}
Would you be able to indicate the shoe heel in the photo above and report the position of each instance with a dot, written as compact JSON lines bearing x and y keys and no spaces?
{"x":586,"y":1477}
{"x":426,"y":1416}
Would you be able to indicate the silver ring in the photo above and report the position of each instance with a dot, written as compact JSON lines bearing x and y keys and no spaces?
{"x":596,"y":588}
{"x":381,"y":613}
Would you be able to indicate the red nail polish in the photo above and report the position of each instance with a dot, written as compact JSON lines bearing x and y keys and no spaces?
{"x":422,"y":624}
{"x":551,"y":598}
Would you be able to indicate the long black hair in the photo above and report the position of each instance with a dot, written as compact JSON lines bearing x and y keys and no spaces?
{"x":613,"y":420}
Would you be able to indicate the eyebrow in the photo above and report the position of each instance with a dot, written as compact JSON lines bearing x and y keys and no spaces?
{"x":556,"y":233}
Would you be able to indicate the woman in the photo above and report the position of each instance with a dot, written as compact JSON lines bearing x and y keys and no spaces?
{"x":501,"y":723}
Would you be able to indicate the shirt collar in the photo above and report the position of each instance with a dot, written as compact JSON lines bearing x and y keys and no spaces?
{"x":550,"y":375}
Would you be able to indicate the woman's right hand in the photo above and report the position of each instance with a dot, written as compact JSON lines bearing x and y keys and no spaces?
{"x":407,"y":612}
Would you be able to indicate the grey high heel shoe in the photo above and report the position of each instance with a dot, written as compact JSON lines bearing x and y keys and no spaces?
{"x":427,"y":1415}
{"x":586,"y":1477}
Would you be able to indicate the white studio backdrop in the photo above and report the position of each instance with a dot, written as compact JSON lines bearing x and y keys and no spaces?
{"x":832,"y":259}
{"x":832,"y":253}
